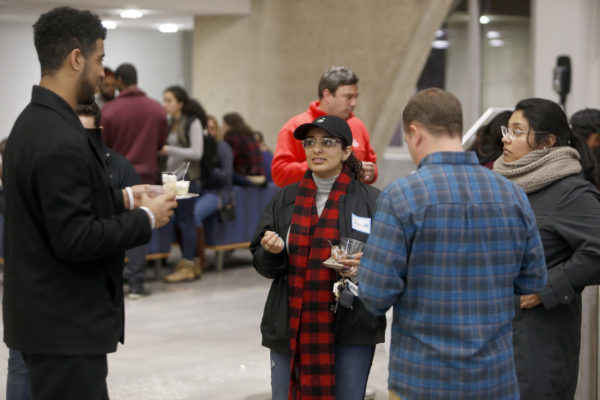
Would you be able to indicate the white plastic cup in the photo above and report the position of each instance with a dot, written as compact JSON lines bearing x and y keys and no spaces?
{"x":182,"y":188}
{"x":169,"y":181}
{"x":351,"y":246}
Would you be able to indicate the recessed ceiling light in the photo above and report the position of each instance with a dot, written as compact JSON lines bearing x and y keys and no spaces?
{"x":108,"y":24}
{"x":484,"y":19}
{"x":132,"y":14}
{"x":493,"y":35}
{"x":168,"y":28}
{"x":496,"y":42}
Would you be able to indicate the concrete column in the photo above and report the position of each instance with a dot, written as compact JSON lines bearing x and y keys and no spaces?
{"x":267,"y":65}
{"x":472,"y":105}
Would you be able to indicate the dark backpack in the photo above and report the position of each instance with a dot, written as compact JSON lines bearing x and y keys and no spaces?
{"x":210,"y":158}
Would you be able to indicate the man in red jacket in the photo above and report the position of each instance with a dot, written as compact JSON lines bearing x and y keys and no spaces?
{"x":338,"y":92}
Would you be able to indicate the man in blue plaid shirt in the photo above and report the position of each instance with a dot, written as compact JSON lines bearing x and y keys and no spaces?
{"x":450,"y":246}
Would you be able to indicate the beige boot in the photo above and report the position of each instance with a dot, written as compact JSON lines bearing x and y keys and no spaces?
{"x":184,"y":271}
{"x":198,"y":268}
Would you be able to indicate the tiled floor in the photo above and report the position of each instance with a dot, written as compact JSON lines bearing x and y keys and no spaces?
{"x":199,"y":340}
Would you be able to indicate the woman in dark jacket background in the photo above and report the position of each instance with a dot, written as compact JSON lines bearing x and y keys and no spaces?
{"x":289,"y":246}
{"x":555,"y":169}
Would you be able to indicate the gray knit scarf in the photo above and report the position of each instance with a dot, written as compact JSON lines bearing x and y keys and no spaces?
{"x":539,"y":168}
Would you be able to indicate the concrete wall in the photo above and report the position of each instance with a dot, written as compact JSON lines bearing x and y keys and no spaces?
{"x":567,"y":30}
{"x":267,"y":65}
{"x":161,"y":60}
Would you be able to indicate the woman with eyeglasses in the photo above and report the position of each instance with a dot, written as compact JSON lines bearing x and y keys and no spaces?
{"x":554,"y":167}
{"x":317,"y":351}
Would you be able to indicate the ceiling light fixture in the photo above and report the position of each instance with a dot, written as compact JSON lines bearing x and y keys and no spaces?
{"x":132,"y":14}
{"x":168,"y":28}
{"x":484,"y":19}
{"x":493,"y":35}
{"x":108,"y":24}
{"x":496,"y":42}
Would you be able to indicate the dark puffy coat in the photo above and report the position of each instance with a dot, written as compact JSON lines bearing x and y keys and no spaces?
{"x":547,"y":337}
{"x":356,"y":326}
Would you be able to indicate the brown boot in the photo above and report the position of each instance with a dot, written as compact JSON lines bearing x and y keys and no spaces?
{"x":184,"y":271}
{"x":200,"y":248}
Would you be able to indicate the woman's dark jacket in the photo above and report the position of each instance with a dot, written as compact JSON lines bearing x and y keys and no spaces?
{"x":354,"y":326}
{"x":547,"y":337}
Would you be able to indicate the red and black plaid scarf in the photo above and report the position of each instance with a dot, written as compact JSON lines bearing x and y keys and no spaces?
{"x":310,"y":316}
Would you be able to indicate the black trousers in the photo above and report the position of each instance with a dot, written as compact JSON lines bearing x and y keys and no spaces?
{"x":135,"y":269}
{"x":67,"y":377}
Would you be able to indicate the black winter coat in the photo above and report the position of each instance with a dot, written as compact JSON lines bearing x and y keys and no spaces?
{"x":547,"y":337}
{"x":66,"y":232}
{"x":354,"y":326}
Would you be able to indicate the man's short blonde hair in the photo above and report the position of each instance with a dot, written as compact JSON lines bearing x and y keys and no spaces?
{"x":438,"y":111}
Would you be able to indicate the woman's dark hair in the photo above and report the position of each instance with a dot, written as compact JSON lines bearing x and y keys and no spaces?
{"x":191,"y":107}
{"x":585,"y":122}
{"x":237,"y":125}
{"x":488,"y":142}
{"x":62,"y":30}
{"x":547,"y":118}
{"x":353,"y":163}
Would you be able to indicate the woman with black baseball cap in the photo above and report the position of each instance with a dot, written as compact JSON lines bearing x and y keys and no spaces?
{"x":316,"y":349}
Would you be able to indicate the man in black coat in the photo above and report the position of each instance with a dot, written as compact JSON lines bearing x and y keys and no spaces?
{"x":66,"y":229}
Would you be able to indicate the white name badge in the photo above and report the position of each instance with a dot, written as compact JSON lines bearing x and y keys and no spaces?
{"x":361,"y":224}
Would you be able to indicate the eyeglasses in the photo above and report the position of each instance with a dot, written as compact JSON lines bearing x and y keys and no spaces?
{"x":510,"y":133}
{"x":326,"y":143}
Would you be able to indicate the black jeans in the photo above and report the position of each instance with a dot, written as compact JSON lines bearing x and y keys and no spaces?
{"x":67,"y":377}
{"x":135,"y":269}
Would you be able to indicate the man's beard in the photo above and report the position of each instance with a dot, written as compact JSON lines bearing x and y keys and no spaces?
{"x":85,"y":89}
{"x":107,"y":96}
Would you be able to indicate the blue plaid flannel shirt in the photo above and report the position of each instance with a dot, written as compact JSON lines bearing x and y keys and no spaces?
{"x":450,"y":246}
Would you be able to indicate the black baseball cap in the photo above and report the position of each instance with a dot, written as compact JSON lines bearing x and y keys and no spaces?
{"x":334,"y":126}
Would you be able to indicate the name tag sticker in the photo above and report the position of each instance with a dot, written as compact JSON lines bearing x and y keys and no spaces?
{"x":361,"y":224}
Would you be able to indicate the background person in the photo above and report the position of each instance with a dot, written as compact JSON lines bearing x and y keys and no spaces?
{"x":266,"y":153}
{"x":248,"y":163}
{"x":135,"y":125}
{"x":122,"y":175}
{"x":586,"y":125}
{"x":338,"y":95}
{"x":450,"y":245}
{"x":488,"y":142}
{"x":107,"y":88}
{"x":18,"y":385}
{"x":327,"y":354}
{"x":185,"y":142}
{"x":555,"y":169}
{"x":218,"y":189}
{"x":66,"y":229}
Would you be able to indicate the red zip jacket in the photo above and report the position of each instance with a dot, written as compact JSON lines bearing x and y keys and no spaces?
{"x":289,"y":161}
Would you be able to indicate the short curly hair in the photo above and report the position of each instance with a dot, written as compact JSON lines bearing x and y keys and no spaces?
{"x":61,"y":30}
